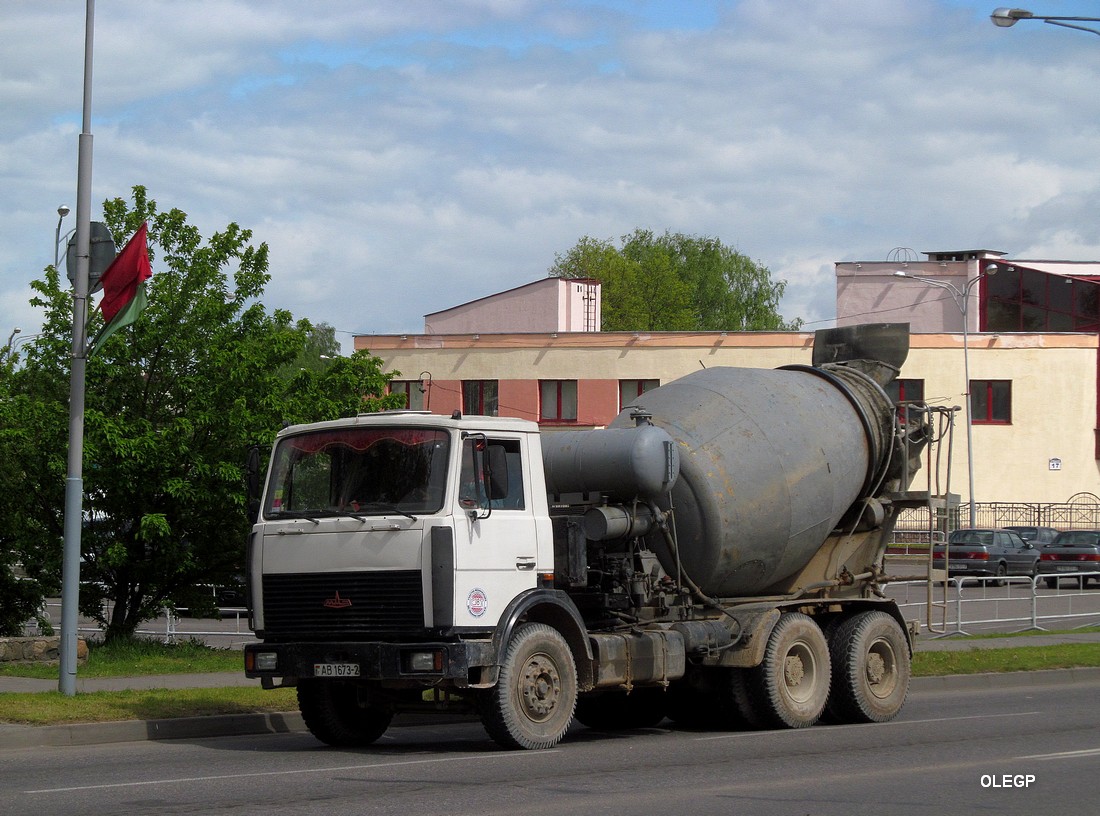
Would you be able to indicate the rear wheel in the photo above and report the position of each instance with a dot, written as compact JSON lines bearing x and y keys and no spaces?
{"x":532,"y":704}
{"x":871,"y":668}
{"x":1000,"y":581}
{"x":791,"y":686}
{"x":342,"y":714}
{"x":1052,"y":583}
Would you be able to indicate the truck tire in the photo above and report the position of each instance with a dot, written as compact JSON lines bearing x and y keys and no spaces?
{"x":871,"y":669}
{"x":532,"y":704}
{"x":790,"y":687}
{"x":340,"y":714}
{"x":619,"y":711}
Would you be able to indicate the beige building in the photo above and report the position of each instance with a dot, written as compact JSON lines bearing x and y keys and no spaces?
{"x":1034,"y":393}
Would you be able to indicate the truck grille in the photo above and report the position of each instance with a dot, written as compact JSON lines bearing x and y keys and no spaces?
{"x":339,"y":604}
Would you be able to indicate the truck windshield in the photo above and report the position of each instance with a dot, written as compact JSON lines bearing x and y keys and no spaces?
{"x":359,"y":472}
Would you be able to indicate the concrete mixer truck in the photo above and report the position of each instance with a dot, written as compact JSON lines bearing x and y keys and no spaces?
{"x":714,"y":556}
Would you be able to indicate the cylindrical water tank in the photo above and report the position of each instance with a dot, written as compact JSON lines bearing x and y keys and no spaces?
{"x":770,"y":461}
{"x":623,"y":463}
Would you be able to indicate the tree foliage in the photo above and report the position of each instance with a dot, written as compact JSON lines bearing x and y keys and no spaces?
{"x":676,"y":282}
{"x":173,"y":402}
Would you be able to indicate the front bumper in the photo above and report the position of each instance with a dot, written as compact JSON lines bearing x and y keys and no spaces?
{"x":457,"y":661}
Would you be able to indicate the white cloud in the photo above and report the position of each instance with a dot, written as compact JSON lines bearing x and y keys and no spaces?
{"x":403,"y":158}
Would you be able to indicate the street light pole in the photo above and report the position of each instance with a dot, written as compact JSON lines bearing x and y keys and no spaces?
{"x":962,"y":300}
{"x":74,"y":479}
{"x":1007,"y":17}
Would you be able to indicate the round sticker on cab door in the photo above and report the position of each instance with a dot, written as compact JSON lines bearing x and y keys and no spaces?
{"x":477,"y":602}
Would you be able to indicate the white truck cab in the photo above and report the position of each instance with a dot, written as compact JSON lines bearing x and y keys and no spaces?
{"x":399,"y":521}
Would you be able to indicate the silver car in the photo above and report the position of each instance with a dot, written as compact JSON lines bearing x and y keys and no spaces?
{"x":987,"y":552}
{"x":1072,"y":553}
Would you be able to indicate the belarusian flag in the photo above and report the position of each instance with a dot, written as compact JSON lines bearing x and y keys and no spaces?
{"x":124,"y":286}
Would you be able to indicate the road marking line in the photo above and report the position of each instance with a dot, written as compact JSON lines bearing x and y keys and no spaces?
{"x":735,"y":734}
{"x":1085,"y":752}
{"x":290,"y":772}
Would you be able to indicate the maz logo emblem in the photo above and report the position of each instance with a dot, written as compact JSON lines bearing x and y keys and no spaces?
{"x":336,"y":602}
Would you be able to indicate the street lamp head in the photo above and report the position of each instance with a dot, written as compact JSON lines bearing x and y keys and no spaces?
{"x":1006,"y":17}
{"x":991,"y":269}
{"x":63,"y":210}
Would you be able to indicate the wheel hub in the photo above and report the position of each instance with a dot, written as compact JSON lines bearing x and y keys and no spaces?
{"x":540,"y":688}
{"x":794,"y":671}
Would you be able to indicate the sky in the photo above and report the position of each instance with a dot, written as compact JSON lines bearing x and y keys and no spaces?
{"x":403,"y":158}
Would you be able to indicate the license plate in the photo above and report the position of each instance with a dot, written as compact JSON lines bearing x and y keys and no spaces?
{"x":335,"y":669}
{"x":1066,"y":568}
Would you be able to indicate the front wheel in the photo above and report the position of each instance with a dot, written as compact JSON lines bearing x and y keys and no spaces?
{"x":532,"y":704}
{"x":871,"y":668}
{"x":342,"y":714}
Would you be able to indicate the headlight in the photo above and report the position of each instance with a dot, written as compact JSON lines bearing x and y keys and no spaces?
{"x":431,"y":661}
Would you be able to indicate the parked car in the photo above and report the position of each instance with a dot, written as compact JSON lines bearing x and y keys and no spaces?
{"x":1039,"y":536}
{"x":982,"y":552}
{"x":1072,"y":553}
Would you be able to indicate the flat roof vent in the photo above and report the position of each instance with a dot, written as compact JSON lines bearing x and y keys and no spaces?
{"x":964,"y":254}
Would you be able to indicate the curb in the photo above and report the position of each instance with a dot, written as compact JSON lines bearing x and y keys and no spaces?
{"x":288,"y":722}
{"x":229,"y":725}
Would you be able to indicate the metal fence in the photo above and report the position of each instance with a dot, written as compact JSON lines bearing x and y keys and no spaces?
{"x":914,"y":525}
{"x":1005,"y":604}
{"x":229,"y":630}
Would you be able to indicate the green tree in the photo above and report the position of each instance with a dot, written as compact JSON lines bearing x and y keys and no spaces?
{"x":676,"y":282}
{"x":173,"y":402}
{"x":21,"y":432}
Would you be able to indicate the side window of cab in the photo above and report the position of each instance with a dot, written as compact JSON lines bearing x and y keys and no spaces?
{"x":491,"y":474}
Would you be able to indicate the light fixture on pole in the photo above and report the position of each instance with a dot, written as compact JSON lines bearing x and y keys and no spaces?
{"x":1008,"y":17}
{"x":62,"y":211}
{"x":962,"y":300}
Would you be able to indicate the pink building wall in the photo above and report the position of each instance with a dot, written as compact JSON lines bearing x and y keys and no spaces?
{"x":547,"y":305}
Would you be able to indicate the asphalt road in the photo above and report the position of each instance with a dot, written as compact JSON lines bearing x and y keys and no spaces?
{"x":1007,"y":750}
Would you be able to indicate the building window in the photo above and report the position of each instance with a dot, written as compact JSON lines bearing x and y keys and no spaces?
{"x":413,"y":391}
{"x":557,"y":400}
{"x":991,"y":402}
{"x":903,"y":390}
{"x":630,"y":390}
{"x":479,"y":397}
{"x":1028,"y":300}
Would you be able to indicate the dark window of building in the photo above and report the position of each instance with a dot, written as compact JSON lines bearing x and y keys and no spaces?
{"x":902,"y":390}
{"x":414,"y":396}
{"x":1030,"y":301}
{"x":558,"y":400}
{"x":479,"y":397}
{"x":991,"y":402}
{"x":630,"y":390}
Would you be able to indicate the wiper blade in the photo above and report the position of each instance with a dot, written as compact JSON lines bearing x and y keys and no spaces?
{"x":308,"y":516}
{"x":387,"y":508}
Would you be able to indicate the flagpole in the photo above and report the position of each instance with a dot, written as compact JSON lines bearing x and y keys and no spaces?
{"x":74,"y":481}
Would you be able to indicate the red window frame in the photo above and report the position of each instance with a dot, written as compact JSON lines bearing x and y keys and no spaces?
{"x":554,"y":401}
{"x":991,"y":402}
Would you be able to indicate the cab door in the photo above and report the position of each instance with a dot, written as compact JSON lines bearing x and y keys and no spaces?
{"x":495,"y":540}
